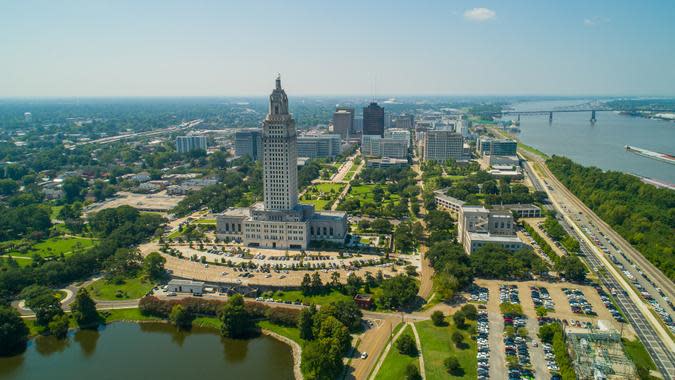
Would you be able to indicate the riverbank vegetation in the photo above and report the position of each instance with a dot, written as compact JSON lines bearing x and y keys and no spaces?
{"x":641,"y":213}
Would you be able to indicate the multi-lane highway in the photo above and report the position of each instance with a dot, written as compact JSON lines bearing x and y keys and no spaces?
{"x":652,"y":334}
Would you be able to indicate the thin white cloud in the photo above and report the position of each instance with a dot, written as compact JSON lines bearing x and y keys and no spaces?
{"x":479,"y":14}
{"x":591,"y":22}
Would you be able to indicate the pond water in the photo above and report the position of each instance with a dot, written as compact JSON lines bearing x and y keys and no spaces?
{"x":132,"y":351}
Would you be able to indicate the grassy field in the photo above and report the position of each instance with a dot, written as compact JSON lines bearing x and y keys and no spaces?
{"x":350,"y":173}
{"x":364,"y":193}
{"x":296,"y":295}
{"x":322,"y":195}
{"x":54,"y":212}
{"x":132,"y":288}
{"x":394,"y":364}
{"x":48,"y":248}
{"x":437,"y":346}
{"x":56,"y":246}
{"x":291,"y":333}
{"x":637,"y":353}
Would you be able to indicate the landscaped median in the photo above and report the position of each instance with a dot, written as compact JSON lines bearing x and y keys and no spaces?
{"x":437,"y":346}
{"x":396,"y":363}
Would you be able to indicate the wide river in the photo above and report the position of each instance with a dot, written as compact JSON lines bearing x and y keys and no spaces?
{"x":129,"y":351}
{"x":602,"y":145}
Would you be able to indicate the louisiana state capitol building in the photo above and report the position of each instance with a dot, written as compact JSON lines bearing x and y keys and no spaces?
{"x":280,"y":221}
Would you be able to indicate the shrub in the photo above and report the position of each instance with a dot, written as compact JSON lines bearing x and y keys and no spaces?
{"x":458,"y":318}
{"x":457,"y":338}
{"x":438,"y":318}
{"x":412,"y":372}
{"x":452,"y":365}
{"x":470,"y":312}
{"x":283,"y":316}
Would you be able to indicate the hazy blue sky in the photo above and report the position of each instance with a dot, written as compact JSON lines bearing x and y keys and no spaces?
{"x":82,"y":48}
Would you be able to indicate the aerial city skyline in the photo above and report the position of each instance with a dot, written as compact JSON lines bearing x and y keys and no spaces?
{"x":409,"y":190}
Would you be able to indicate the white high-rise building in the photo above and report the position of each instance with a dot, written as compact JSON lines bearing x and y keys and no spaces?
{"x":280,"y":154}
{"x":441,"y":145}
{"x":185,"y":144}
{"x":280,"y":221}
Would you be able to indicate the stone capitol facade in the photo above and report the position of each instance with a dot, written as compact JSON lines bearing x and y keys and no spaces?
{"x":280,"y":221}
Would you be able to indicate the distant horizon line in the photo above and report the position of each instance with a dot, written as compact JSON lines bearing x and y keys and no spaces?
{"x":385,"y":97}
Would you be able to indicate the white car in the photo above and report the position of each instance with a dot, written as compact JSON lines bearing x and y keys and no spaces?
{"x":364,"y":355}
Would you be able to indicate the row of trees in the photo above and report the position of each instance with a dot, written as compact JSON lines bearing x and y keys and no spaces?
{"x":641,"y":213}
{"x":455,"y":269}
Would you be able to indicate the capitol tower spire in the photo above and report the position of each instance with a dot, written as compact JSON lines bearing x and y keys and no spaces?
{"x":280,"y":154}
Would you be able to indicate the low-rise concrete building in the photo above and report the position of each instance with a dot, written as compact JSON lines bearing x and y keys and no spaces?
{"x":478,"y":226}
{"x":386,"y":162}
{"x":526,"y":210}
{"x":185,"y":286}
{"x":448,"y":203}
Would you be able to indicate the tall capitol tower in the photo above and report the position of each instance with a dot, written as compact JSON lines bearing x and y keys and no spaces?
{"x":280,"y":154}
{"x":279,"y":221}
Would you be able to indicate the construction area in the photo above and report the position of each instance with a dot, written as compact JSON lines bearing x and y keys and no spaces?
{"x":599,"y":355}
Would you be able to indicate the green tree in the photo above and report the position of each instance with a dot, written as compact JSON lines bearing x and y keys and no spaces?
{"x":470,"y":312}
{"x":571,"y":268}
{"x":330,"y":327}
{"x":457,"y":338}
{"x":236,"y":323}
{"x":13,"y":332}
{"x":412,"y":372}
{"x":405,"y":344}
{"x":459,"y":319}
{"x":181,"y":317}
{"x":84,"y":309}
{"x":74,"y":188}
{"x":306,"y":284}
{"x":381,"y":226}
{"x":43,"y":302}
{"x":153,"y":265}
{"x":397,"y":292}
{"x":306,"y":322}
{"x":452,"y":365}
{"x":322,"y":359}
{"x":438,"y":318}
{"x":58,"y":326}
{"x":316,"y":284}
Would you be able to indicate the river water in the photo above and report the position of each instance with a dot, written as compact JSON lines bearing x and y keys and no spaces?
{"x":129,"y":351}
{"x":602,"y":144}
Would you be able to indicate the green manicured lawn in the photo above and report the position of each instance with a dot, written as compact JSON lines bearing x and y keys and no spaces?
{"x":350,"y":173}
{"x":132,"y":314}
{"x":291,"y":333}
{"x":23,"y":261}
{"x":57,"y":245}
{"x":132,"y":288}
{"x":455,"y":177}
{"x":54,"y":212}
{"x":437,"y":346}
{"x":296,"y":295}
{"x":322,"y":195}
{"x":206,"y":221}
{"x":209,"y":322}
{"x":365,"y":194}
{"x":394,"y":365}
